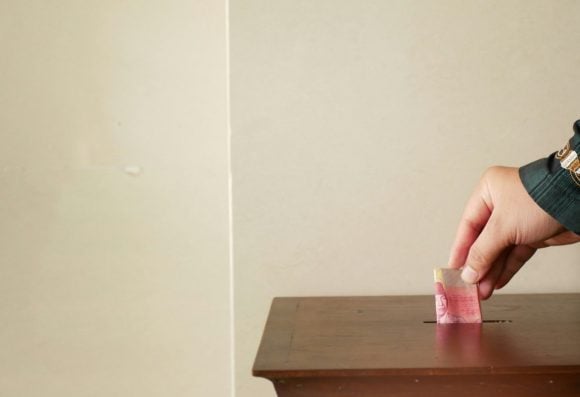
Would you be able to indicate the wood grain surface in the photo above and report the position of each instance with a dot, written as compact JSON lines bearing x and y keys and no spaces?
{"x":530,"y":385}
{"x":389,"y":336}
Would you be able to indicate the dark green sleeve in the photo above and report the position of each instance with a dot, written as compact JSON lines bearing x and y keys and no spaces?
{"x":554,"y":183}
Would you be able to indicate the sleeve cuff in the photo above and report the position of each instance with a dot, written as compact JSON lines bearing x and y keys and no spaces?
{"x":554,"y":184}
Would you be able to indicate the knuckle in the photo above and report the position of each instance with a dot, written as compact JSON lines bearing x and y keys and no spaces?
{"x":492,"y":171}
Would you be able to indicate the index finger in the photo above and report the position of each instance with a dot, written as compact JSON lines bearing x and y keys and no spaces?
{"x":474,"y":218}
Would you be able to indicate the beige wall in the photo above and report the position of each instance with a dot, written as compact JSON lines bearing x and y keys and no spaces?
{"x":359,"y":129}
{"x":114,"y":282}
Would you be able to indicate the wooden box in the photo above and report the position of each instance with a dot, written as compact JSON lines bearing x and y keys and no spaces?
{"x":528,"y":345}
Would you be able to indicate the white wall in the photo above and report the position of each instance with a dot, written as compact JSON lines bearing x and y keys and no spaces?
{"x":360,"y":128}
{"x":113,"y":284}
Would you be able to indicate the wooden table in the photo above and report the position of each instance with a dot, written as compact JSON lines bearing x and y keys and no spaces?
{"x":529,"y":345}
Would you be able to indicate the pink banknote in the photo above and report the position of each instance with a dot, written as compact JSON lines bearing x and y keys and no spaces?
{"x":455,"y":300}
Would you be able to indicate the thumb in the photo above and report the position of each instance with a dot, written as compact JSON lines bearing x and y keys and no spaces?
{"x":484,"y":252}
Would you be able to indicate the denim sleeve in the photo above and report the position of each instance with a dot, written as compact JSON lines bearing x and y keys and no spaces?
{"x":554,"y":183}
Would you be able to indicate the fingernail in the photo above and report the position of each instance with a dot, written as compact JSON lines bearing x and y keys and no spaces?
{"x":469,"y":275}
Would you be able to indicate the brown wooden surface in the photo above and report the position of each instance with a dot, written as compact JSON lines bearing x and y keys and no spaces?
{"x":333,"y":338}
{"x":530,"y":385}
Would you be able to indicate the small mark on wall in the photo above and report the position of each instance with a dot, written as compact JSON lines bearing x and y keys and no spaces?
{"x":133,"y":170}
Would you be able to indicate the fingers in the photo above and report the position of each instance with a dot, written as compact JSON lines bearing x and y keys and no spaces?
{"x":488,"y":283}
{"x":475,"y":216}
{"x":564,"y":238}
{"x":518,"y":256}
{"x":486,"y":249}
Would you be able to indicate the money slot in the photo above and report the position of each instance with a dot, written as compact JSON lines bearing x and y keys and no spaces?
{"x":484,"y":321}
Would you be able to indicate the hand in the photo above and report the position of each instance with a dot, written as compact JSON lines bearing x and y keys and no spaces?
{"x":501,"y":228}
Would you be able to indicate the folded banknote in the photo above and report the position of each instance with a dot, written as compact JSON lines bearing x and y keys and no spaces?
{"x":455,"y":300}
